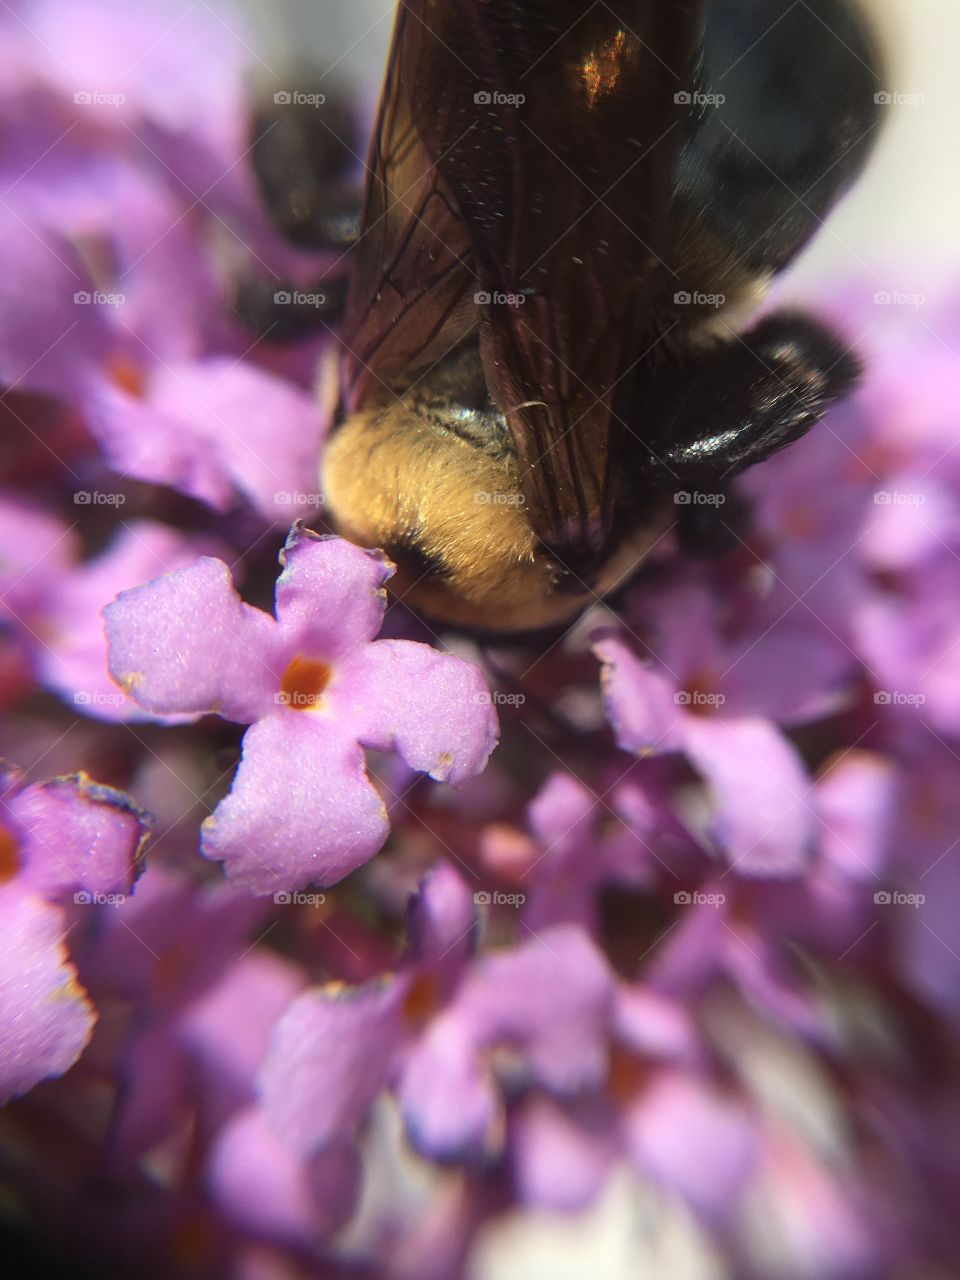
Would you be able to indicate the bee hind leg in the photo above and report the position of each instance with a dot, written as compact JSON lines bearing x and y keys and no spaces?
{"x":725,"y":409}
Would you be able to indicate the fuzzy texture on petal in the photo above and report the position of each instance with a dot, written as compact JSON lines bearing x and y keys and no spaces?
{"x":301,"y":810}
{"x":78,"y":835}
{"x":187,"y":643}
{"x":330,"y":597}
{"x":432,"y":708}
{"x":45,"y":1017}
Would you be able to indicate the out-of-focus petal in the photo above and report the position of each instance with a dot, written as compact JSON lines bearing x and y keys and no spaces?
{"x":640,"y":701}
{"x":269,"y":1189}
{"x":552,"y":997}
{"x":45,"y":1017}
{"x":762,"y":808}
{"x":447,"y":1096}
{"x":331,"y":1053}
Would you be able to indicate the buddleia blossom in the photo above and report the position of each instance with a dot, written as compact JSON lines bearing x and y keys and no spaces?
{"x":667,"y":973}
{"x":316,"y":688}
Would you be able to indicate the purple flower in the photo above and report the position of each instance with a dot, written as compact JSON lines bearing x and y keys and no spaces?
{"x":433,"y":1030}
{"x":52,"y":604}
{"x":316,"y":688}
{"x":64,"y":837}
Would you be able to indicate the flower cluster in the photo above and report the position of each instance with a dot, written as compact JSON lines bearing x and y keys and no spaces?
{"x":330,"y":945}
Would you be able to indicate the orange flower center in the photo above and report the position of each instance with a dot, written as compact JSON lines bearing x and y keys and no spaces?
{"x":9,"y":855}
{"x":422,"y":1000}
{"x":303,"y":683}
{"x":128,"y":375}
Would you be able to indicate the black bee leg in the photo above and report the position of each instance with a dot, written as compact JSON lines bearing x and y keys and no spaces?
{"x":730,"y":407}
{"x":713,"y":524}
{"x":285,"y":312}
{"x":306,"y":150}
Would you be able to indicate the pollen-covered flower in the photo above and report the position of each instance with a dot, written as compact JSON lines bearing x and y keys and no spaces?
{"x":317,"y":690}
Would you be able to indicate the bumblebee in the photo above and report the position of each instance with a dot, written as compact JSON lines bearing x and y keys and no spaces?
{"x":569,"y":213}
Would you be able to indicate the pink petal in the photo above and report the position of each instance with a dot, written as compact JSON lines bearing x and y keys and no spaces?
{"x":45,"y":1017}
{"x":187,"y":643}
{"x":301,"y":809}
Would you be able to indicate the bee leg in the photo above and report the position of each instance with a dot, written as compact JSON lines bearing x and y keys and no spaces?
{"x":306,"y":150}
{"x":713,"y":529}
{"x":728,"y":408}
{"x":284,"y":313}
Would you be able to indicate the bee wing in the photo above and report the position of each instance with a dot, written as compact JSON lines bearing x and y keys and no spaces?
{"x":526,"y":149}
{"x":413,"y":262}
